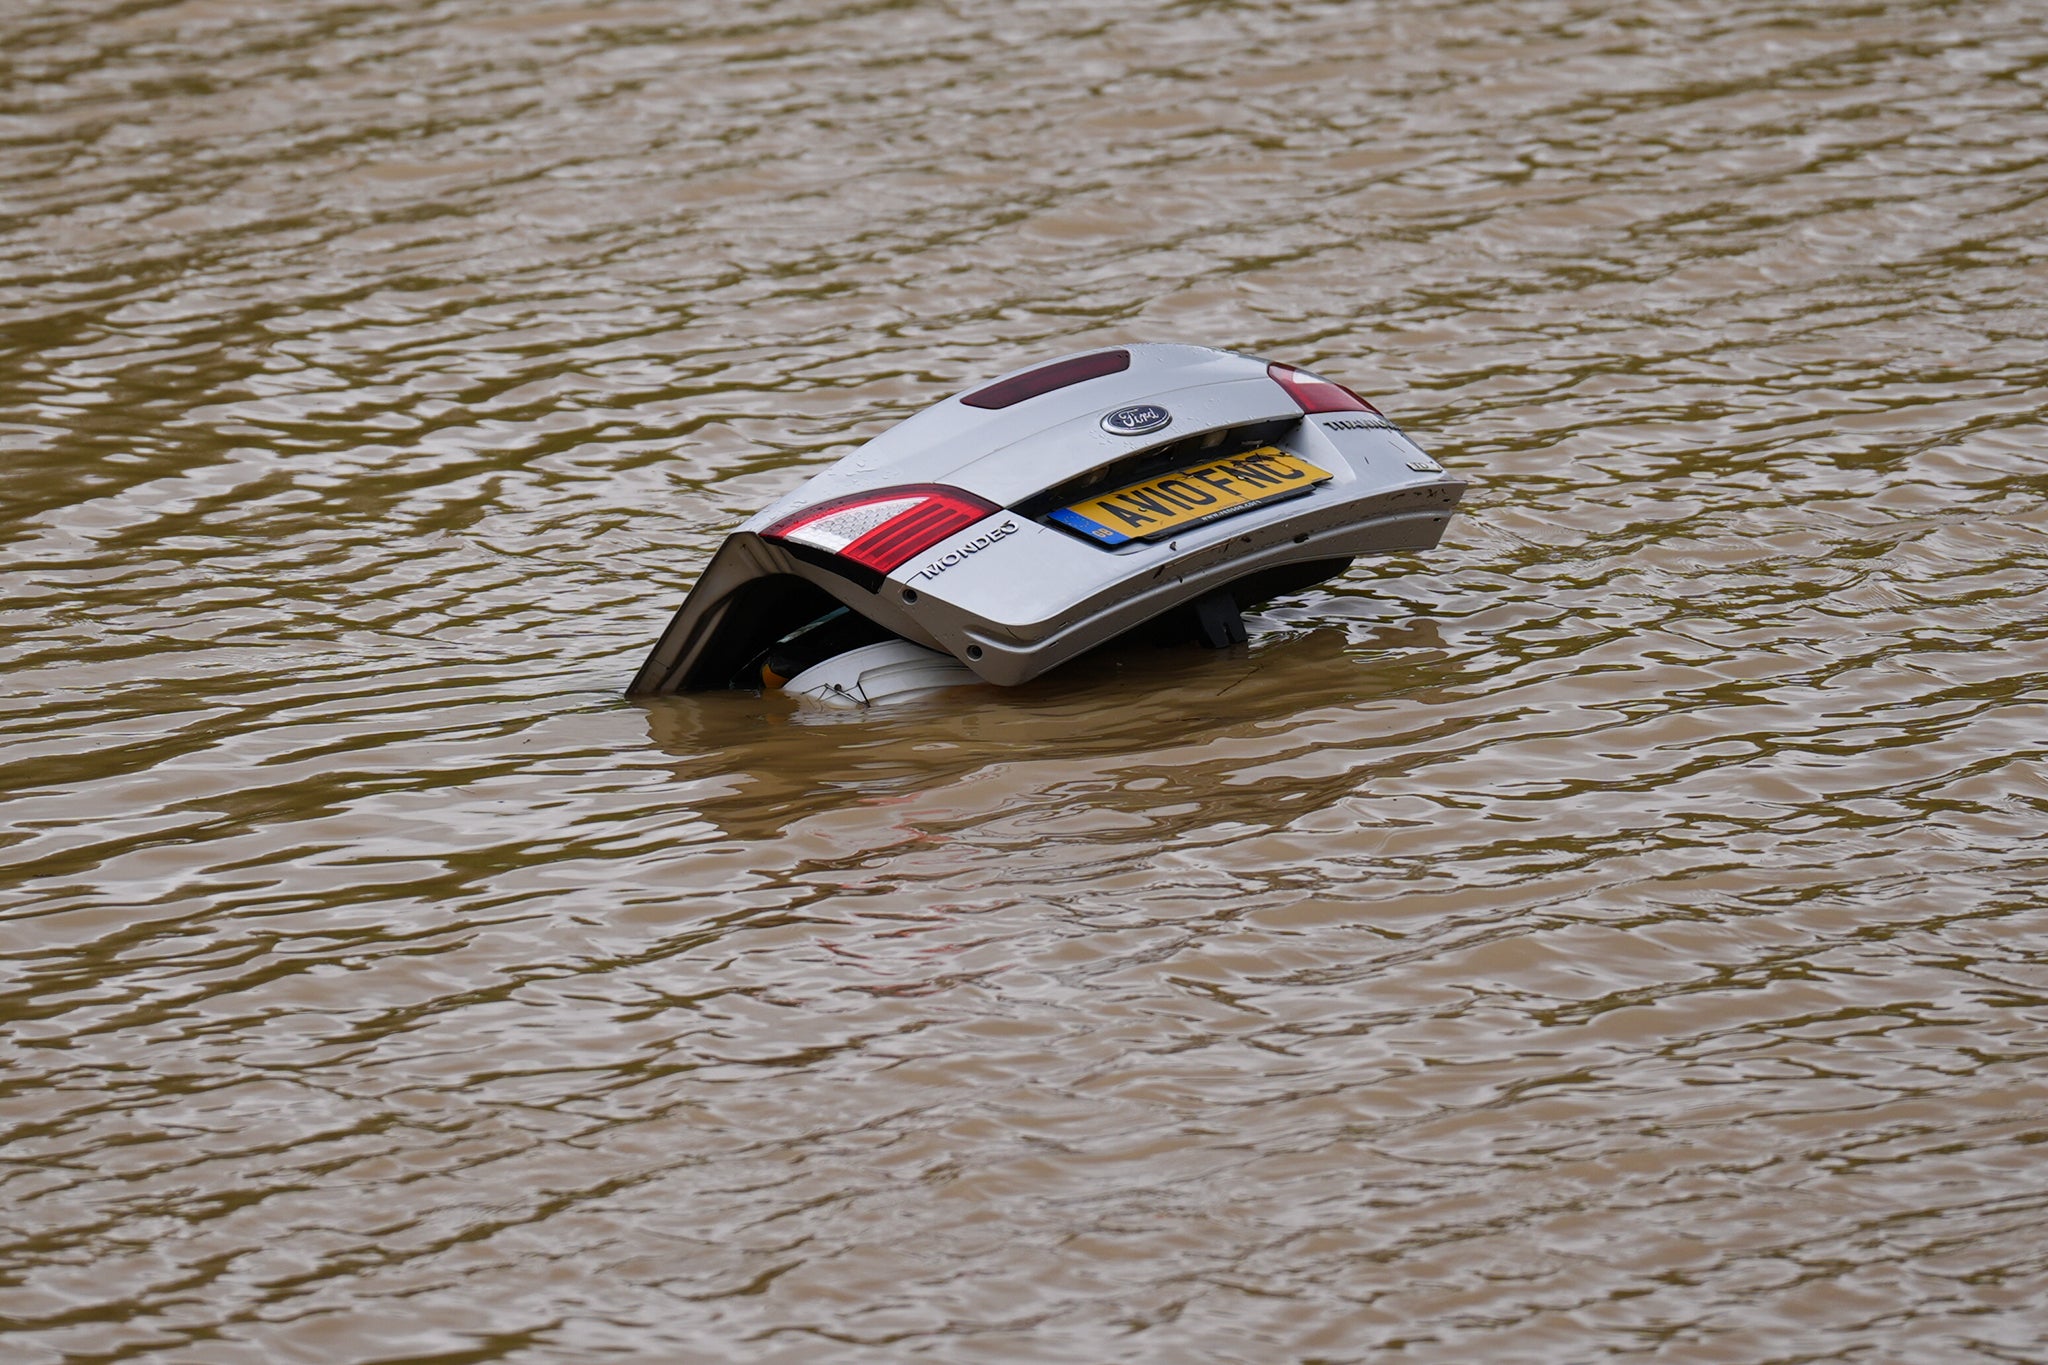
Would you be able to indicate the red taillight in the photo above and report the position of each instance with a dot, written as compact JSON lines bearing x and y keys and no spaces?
{"x":882,"y":529}
{"x":1314,"y":393}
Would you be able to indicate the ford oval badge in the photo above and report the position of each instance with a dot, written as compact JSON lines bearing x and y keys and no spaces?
{"x":1136,"y":421}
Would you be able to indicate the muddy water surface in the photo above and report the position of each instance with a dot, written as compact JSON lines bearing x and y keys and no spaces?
{"x":1614,"y":935}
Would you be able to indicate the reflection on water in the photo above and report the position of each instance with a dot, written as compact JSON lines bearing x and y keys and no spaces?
{"x":1610,"y":935}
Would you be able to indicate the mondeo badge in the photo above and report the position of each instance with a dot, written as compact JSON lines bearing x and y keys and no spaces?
{"x":1136,"y":421}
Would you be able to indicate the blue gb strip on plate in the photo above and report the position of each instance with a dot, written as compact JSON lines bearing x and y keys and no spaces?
{"x":1089,"y":527}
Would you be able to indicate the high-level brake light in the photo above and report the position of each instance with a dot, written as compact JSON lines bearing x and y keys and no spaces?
{"x":1030,"y":384}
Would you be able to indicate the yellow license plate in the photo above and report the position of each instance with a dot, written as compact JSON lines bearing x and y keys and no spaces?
{"x":1190,"y":496}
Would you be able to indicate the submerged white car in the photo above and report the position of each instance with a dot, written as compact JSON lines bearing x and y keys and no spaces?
{"x":1160,"y":489}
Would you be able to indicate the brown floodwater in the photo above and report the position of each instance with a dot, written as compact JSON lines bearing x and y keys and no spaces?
{"x":1614,"y":935}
